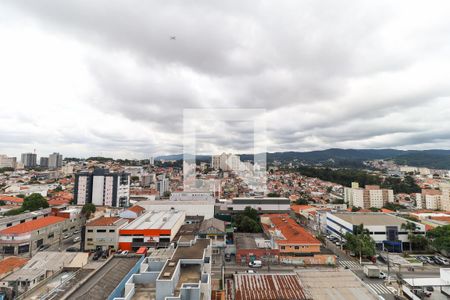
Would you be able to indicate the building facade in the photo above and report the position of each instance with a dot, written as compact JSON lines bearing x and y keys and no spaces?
{"x":7,"y":162}
{"x":55,"y":160}
{"x":103,"y":233}
{"x":43,"y":162}
{"x":102,"y":188}
{"x":370,"y":196}
{"x":29,"y":160}
{"x":225,"y":162}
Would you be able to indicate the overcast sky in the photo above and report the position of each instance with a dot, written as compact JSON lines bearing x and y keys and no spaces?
{"x":88,"y":78}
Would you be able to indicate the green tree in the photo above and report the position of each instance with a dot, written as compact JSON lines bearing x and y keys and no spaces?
{"x":34,"y":202}
{"x":249,"y":225}
{"x":273,"y":195}
{"x":440,"y":238}
{"x":88,"y":209}
{"x":360,"y":242}
{"x":301,"y":201}
{"x":410,"y":227}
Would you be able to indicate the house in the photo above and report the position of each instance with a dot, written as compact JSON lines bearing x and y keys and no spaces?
{"x":215,"y":230}
{"x":132,"y":212}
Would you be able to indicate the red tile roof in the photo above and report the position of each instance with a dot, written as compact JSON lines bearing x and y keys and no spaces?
{"x":11,"y":199}
{"x":292,"y":232}
{"x":137,"y":209}
{"x":11,"y":263}
{"x":32,"y":225}
{"x":103,"y":221}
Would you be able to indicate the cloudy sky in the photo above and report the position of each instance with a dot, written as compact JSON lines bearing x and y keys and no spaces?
{"x":105,"y":78}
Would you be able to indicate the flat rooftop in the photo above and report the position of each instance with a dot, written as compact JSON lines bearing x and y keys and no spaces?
{"x":165,"y":219}
{"x":193,"y":252}
{"x":334,"y":284}
{"x":247,"y":240}
{"x":369,"y":219}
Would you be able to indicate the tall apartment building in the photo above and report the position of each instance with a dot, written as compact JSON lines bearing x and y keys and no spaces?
{"x":7,"y":162}
{"x":55,"y":160}
{"x":102,"y":188}
{"x":29,"y":160}
{"x":225,"y":162}
{"x":370,"y":196}
{"x":162,"y":185}
{"x":434,"y":199}
{"x":43,"y":162}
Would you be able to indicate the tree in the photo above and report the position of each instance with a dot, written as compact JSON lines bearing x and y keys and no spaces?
{"x":167,"y":194}
{"x":34,"y":202}
{"x":360,"y":242}
{"x":301,"y":201}
{"x":355,"y":209}
{"x":88,"y":209}
{"x":410,"y":227}
{"x":440,"y":238}
{"x":273,"y":195}
{"x":374,"y":209}
{"x":249,"y":225}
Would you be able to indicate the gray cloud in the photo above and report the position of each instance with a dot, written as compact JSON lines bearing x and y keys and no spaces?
{"x":329,"y":75}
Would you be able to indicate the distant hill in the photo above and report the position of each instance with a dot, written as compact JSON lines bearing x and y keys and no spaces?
{"x":335,"y":157}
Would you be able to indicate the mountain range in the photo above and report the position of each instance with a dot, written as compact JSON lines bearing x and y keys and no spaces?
{"x":434,"y":158}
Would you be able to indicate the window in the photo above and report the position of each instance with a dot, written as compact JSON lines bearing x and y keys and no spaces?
{"x":9,"y":225}
{"x":51,"y":235}
{"x":90,"y":230}
{"x":296,"y":247}
{"x":34,"y":218}
{"x":101,"y":230}
{"x":22,"y":221}
{"x":89,"y":239}
{"x":283,"y":247}
{"x":111,"y":230}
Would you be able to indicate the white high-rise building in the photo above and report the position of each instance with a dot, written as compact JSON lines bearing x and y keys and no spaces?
{"x":102,"y":188}
{"x":7,"y":162}
{"x":55,"y":160}
{"x":226,"y":162}
{"x":162,"y":185}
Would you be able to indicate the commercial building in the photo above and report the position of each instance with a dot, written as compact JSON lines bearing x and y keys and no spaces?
{"x":191,"y":196}
{"x":7,"y":162}
{"x":191,"y":208}
{"x":103,"y":233}
{"x":9,"y":221}
{"x":152,"y":229}
{"x":293,"y":242}
{"x":261,"y":204}
{"x":225,"y":162}
{"x":102,"y":188}
{"x":55,"y":160}
{"x":28,"y":160}
{"x":28,"y":236}
{"x":385,"y":229}
{"x":370,"y":196}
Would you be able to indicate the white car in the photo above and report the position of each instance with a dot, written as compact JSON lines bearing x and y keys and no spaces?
{"x":251,"y":272}
{"x":125,"y":252}
{"x":382,"y":275}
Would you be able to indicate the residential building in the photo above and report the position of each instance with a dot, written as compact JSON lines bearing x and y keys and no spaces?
{"x":103,"y":233}
{"x":7,"y":162}
{"x":29,"y":160}
{"x":254,"y":246}
{"x":225,"y":162}
{"x":293,"y":242}
{"x":185,"y":275}
{"x":154,"y":228}
{"x":162,"y":185}
{"x":43,"y":162}
{"x":9,"y":221}
{"x":213,"y":229}
{"x":102,"y":188}
{"x":370,"y":196}
{"x":132,"y":212}
{"x":385,"y":229}
{"x":55,"y":160}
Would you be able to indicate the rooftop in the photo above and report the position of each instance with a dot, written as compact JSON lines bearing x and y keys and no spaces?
{"x":371,"y":219}
{"x":11,"y":263}
{"x":137,"y":209}
{"x":156,"y":220}
{"x":291,"y":231}
{"x":103,"y":221}
{"x":32,"y":225}
{"x":247,"y":240}
{"x":269,"y":286}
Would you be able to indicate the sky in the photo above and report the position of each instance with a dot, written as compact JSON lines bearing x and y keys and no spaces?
{"x":87,"y":78}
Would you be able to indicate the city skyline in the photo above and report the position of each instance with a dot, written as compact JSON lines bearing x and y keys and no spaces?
{"x":99,"y":79}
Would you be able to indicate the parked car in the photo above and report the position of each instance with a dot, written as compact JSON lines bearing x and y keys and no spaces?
{"x":72,"y":249}
{"x":382,"y":275}
{"x":227,"y":257}
{"x":125,"y":252}
{"x":251,"y":271}
{"x":255,"y":264}
{"x":66,"y":236}
{"x":43,"y":247}
{"x":76,"y":239}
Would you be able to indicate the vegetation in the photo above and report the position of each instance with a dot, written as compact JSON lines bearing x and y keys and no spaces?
{"x":88,"y":209}
{"x":273,"y":195}
{"x":440,"y":238}
{"x":7,"y":169}
{"x":247,"y":221}
{"x":167,"y":194}
{"x":410,"y":227}
{"x":360,"y":242}
{"x":393,"y":206}
{"x":30,"y":203}
{"x":346,"y":176}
